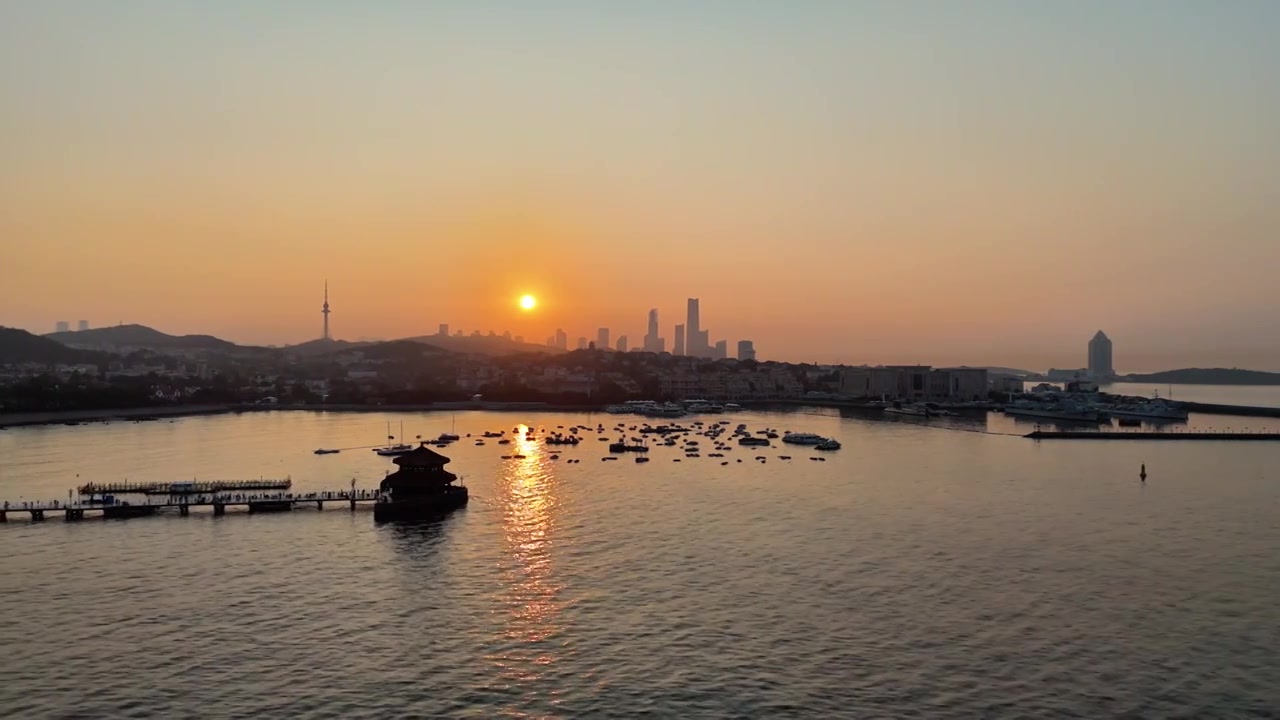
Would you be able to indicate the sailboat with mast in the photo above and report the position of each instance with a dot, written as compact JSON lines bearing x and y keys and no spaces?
{"x":394,"y":449}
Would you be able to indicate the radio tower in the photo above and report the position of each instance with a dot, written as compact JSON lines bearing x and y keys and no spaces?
{"x":325,"y":311}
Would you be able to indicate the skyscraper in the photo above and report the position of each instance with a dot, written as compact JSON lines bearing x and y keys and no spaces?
{"x":721,"y":350}
{"x":562,"y":339}
{"x":325,"y":310}
{"x":1100,"y":357}
{"x":444,"y":330}
{"x":83,"y":325}
{"x":602,"y":338}
{"x":679,"y":349}
{"x":622,"y":343}
{"x":746,"y":350}
{"x":62,"y":326}
{"x":653,"y":343}
{"x":693,"y":330}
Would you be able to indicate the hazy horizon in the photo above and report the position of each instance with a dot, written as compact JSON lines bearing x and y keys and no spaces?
{"x":861,"y":182}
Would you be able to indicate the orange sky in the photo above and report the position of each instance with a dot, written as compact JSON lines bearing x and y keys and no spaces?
{"x":857,"y":182}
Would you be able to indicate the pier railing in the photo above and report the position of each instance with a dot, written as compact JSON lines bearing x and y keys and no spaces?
{"x":222,"y":499}
{"x":183,"y":487}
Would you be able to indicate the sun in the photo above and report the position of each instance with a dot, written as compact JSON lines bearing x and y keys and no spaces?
{"x":528,"y":302}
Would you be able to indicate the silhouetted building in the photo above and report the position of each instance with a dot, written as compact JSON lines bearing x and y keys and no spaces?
{"x":1100,"y":357}
{"x":602,"y":338}
{"x":444,"y":330}
{"x":746,"y":350}
{"x":582,"y":343}
{"x":653,"y":342}
{"x":695,"y":343}
{"x":721,"y":350}
{"x":679,"y":348}
{"x":622,"y":343}
{"x":62,"y":326}
{"x":562,"y":339}
{"x":82,"y":325}
{"x":325,"y":310}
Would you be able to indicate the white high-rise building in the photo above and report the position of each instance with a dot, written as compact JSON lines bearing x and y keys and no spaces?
{"x":746,"y":350}
{"x":62,"y":326}
{"x":82,"y":325}
{"x":1100,"y":367}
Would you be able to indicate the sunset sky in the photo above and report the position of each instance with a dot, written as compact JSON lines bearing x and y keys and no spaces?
{"x":933,"y":182}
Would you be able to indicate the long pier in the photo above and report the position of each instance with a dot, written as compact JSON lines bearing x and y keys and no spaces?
{"x":1140,"y":435}
{"x":254,"y":502}
{"x":200,"y":487}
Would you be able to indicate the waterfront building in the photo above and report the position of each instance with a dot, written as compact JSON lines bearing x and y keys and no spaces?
{"x":1100,"y":357}
{"x":746,"y":350}
{"x":1006,"y":384}
{"x":420,"y":487}
{"x":961,"y":384}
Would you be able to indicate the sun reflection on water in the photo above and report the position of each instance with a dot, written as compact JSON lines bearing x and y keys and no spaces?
{"x":531,"y":591}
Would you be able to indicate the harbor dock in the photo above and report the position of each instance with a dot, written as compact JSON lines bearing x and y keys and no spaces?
{"x":1140,"y":435}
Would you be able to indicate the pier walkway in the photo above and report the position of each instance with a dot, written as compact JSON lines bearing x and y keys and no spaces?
{"x":255,"y":502}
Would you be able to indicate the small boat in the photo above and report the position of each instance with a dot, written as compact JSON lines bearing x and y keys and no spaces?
{"x":827,"y":445}
{"x":504,"y":441}
{"x":397,"y":449}
{"x":642,"y":459}
{"x":758,"y":441}
{"x":326,"y":451}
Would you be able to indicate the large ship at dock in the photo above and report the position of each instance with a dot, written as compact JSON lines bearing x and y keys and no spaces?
{"x":1062,"y":412}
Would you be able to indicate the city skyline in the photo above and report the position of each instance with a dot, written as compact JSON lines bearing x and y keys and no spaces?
{"x":860,"y":181}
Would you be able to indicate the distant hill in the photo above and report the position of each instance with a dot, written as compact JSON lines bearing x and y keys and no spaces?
{"x":482,"y":345}
{"x":122,"y":337}
{"x":1208,"y":376}
{"x":20,"y":346}
{"x":322,"y":347}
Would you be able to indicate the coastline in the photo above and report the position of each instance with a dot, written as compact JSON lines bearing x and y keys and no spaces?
{"x":58,"y":417}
